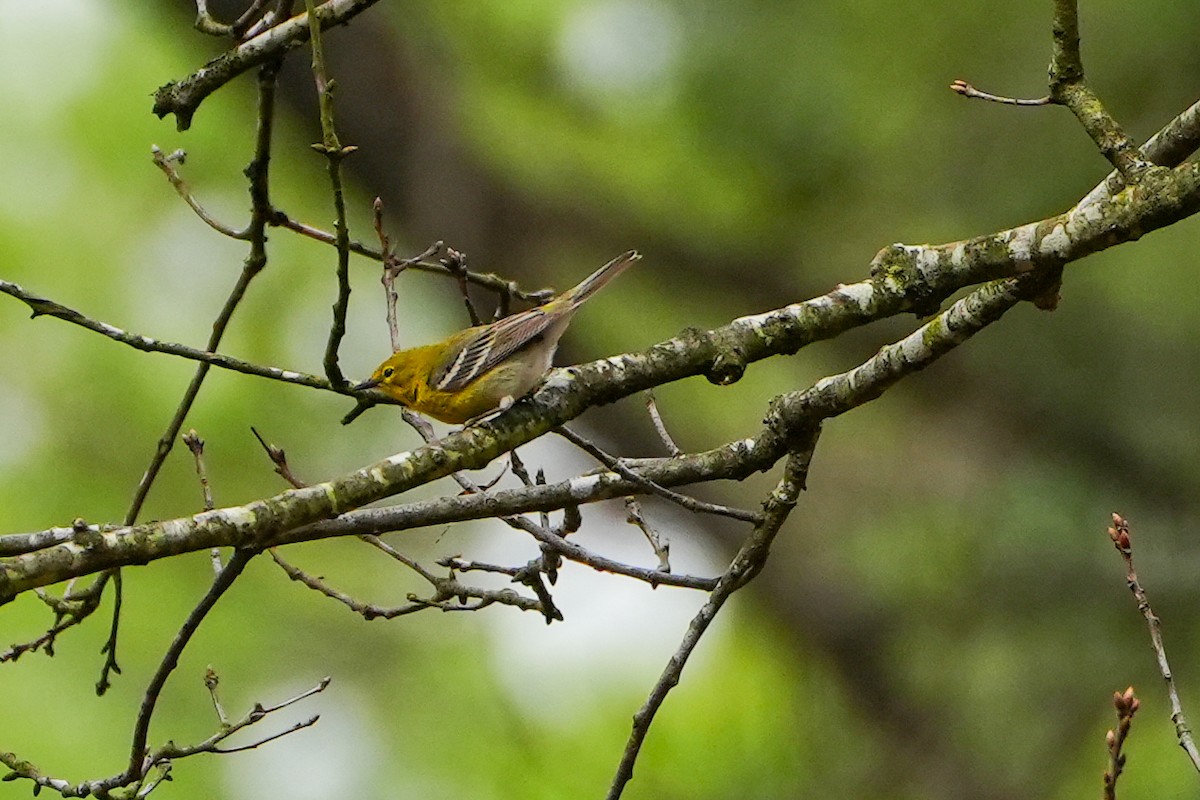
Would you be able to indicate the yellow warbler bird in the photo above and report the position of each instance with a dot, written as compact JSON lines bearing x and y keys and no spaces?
{"x":488,"y":367}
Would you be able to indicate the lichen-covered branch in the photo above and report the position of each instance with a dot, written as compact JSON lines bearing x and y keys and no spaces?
{"x":184,"y":96}
{"x":904,"y":278}
{"x":1069,"y":88}
{"x":284,"y":517}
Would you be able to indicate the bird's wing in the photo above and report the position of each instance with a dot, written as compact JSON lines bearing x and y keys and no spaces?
{"x":485,"y":347}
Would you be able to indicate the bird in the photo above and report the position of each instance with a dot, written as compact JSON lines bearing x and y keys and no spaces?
{"x":475,"y":372}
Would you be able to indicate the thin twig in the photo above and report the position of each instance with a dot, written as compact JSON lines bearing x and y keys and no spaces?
{"x":384,"y":547}
{"x":659,"y":426}
{"x":257,"y":713}
{"x":506,"y":289}
{"x":1069,"y":88}
{"x":456,"y":262}
{"x":690,"y":503}
{"x":967,"y":90}
{"x":279,"y":459}
{"x":206,"y":23}
{"x":242,"y":24}
{"x":444,"y":589}
{"x":256,"y":260}
{"x":1126,"y":705}
{"x":530,"y":574}
{"x":1119,"y":533}
{"x":448,"y":595}
{"x":42,"y":306}
{"x":662,"y":550}
{"x":211,"y":681}
{"x":196,"y":445}
{"x":745,"y":566}
{"x":298,"y":726}
{"x":391,"y":270}
{"x":137,"y":754}
{"x":334,"y":153}
{"x":167,"y":164}
{"x":392,"y":267}
{"x":281,"y":13}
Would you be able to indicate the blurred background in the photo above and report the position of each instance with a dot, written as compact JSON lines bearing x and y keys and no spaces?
{"x":943,"y":617}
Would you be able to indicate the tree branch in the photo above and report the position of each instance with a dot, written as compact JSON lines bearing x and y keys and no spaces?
{"x":184,"y":96}
{"x":745,"y":566}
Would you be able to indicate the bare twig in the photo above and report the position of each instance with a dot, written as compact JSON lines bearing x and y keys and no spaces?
{"x":211,"y":681}
{"x":42,"y":306}
{"x":745,"y":566}
{"x":448,"y":595}
{"x":444,"y":589}
{"x":503,"y":287}
{"x":162,"y":757}
{"x":392,"y":267}
{"x":518,"y":468}
{"x":45,"y":642}
{"x":384,"y":547}
{"x":1119,"y":533}
{"x":206,"y":23}
{"x":967,"y":90}
{"x":530,"y":574}
{"x":166,"y":163}
{"x":456,"y":262}
{"x":279,"y":459}
{"x":391,"y":270}
{"x":247,"y":28}
{"x":690,"y":503}
{"x":196,"y":445}
{"x":1126,"y":705}
{"x":659,"y":426}
{"x":1069,"y":88}
{"x":334,"y":153}
{"x":143,"y":762}
{"x":137,"y":752}
{"x":247,"y":18}
{"x":255,"y":261}
{"x":662,"y":550}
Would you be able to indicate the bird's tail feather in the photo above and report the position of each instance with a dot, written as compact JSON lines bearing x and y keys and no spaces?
{"x":598,"y":279}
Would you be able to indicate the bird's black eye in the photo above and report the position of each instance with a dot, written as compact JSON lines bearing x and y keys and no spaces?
{"x":387,"y":373}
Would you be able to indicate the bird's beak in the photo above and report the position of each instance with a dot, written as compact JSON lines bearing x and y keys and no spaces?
{"x":368,"y":384}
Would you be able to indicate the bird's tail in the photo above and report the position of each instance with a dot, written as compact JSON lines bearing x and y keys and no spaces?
{"x":598,"y":279}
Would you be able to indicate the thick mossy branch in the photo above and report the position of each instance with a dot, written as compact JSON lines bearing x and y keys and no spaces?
{"x":184,"y":96}
{"x":905,"y":278}
{"x":1162,"y":197}
{"x":281,"y":519}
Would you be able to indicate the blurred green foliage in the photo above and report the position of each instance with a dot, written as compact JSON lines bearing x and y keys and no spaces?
{"x":944,"y":618}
